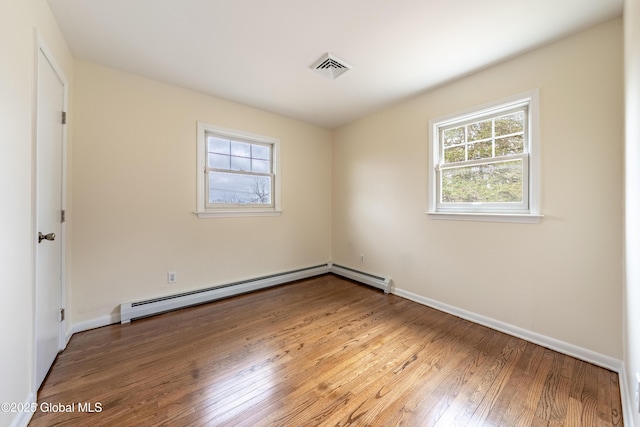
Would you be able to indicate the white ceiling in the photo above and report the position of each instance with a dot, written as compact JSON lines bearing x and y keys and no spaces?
{"x":258,"y":52}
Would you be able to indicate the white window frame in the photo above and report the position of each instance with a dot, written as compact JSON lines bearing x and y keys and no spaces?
{"x":206,"y":210}
{"x":526,"y":212}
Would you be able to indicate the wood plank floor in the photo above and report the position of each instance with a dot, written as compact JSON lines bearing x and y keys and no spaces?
{"x":323,"y":351}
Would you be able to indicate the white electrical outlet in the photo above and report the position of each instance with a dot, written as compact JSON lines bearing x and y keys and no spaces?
{"x":172,"y":277}
{"x":362,"y":258}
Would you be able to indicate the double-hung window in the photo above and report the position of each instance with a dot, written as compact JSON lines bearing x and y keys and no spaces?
{"x":484,"y":162}
{"x":238,"y":173}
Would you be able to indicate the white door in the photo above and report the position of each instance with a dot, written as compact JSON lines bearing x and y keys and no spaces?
{"x":49,"y":145}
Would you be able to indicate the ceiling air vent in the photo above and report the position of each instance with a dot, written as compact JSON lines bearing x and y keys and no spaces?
{"x":330,"y":66}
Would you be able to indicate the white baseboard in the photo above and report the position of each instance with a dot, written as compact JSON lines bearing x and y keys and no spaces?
{"x":98,"y":322}
{"x":584,"y":354}
{"x":22,"y":418}
{"x":68,"y":336}
{"x":534,"y":337}
{"x":627,"y":398}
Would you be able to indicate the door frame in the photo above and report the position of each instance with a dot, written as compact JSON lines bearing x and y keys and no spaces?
{"x":41,"y":46}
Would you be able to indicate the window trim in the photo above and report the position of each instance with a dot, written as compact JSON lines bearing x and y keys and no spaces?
{"x":206,"y":210}
{"x":532,"y":177}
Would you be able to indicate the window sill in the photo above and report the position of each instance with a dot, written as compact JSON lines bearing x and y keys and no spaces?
{"x":237,"y":214}
{"x":487,"y":217}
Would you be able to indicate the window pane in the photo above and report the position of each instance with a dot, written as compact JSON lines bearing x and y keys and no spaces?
{"x":218,"y":161}
{"x":241,"y":149}
{"x":488,"y":183}
{"x":260,"y":166}
{"x":480,"y":150}
{"x":510,"y":145}
{"x":453,"y":136}
{"x":237,"y":188}
{"x":260,"y":152}
{"x":479,"y":130}
{"x":511,"y":123}
{"x":218,"y":145}
{"x":240,"y":163}
{"x":455,"y":154}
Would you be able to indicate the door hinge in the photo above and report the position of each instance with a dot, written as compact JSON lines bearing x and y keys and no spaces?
{"x":63,"y":215}
{"x":64,"y":117}
{"x":62,"y":314}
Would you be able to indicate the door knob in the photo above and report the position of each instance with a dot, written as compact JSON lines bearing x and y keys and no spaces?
{"x":50,"y":236}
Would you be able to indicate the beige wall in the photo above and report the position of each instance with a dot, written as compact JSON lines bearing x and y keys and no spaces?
{"x":134,"y":187}
{"x":632,"y":237}
{"x":18,"y":21}
{"x":561,"y":278}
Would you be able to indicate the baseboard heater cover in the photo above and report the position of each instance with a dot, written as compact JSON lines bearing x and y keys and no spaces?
{"x":383,"y":283}
{"x":138,"y":309}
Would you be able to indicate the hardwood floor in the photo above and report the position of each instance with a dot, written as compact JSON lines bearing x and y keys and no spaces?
{"x":323,"y":351}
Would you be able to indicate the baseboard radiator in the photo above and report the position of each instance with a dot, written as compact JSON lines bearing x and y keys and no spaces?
{"x":139,"y":309}
{"x":135,"y":310}
{"x":383,"y":283}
